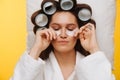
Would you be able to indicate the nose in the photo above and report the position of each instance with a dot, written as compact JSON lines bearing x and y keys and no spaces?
{"x":63,"y":33}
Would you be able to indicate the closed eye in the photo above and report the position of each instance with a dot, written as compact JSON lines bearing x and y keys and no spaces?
{"x":70,"y":29}
{"x":55,"y":26}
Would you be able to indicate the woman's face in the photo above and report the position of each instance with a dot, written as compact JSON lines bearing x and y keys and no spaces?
{"x":64,"y":24}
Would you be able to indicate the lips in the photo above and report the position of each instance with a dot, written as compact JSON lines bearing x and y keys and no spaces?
{"x":63,"y":42}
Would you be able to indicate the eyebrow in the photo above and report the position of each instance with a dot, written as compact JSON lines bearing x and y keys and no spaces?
{"x":67,"y":24}
{"x":55,"y":24}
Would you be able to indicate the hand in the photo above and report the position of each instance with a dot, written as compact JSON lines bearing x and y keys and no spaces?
{"x":43,"y":39}
{"x":87,"y":36}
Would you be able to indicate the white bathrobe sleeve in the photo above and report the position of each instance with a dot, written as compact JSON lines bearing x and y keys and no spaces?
{"x":27,"y":68}
{"x":94,"y":67}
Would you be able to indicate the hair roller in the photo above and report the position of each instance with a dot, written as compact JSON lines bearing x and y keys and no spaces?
{"x":49,"y":6}
{"x":67,"y":4}
{"x":39,"y":18}
{"x":84,"y":12}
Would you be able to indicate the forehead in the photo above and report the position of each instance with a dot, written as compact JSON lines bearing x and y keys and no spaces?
{"x":64,"y":18}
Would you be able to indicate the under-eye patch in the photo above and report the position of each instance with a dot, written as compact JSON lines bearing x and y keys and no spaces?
{"x":71,"y":33}
{"x":68,"y":32}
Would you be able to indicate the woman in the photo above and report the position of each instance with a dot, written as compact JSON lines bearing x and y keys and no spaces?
{"x":67,"y":52}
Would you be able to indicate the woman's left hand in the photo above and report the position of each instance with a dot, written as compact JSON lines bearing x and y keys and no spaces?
{"x":87,"y":36}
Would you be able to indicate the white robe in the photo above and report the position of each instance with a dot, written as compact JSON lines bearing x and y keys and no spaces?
{"x":93,"y":67}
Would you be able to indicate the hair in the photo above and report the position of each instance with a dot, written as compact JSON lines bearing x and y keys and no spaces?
{"x":78,"y":47}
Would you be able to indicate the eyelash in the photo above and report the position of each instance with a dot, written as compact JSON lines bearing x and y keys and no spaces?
{"x":57,"y":28}
{"x":67,"y":29}
{"x":70,"y":29}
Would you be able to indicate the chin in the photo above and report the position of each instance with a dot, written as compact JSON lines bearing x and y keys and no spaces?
{"x":63,"y":49}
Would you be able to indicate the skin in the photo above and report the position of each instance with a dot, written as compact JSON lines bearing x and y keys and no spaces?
{"x":63,"y":44}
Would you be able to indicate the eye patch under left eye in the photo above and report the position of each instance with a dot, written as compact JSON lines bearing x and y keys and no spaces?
{"x":71,"y":33}
{"x":68,"y":32}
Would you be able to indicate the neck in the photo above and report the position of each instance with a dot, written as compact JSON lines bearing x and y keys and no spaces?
{"x":66,"y":61}
{"x":66,"y":58}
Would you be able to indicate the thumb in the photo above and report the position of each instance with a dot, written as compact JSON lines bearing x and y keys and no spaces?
{"x":81,"y":37}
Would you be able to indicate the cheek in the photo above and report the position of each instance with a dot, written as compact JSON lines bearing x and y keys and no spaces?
{"x":73,"y":40}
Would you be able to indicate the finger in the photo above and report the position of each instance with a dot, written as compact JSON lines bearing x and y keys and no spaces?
{"x":81,"y":29}
{"x":76,"y":33}
{"x":50,"y":33}
{"x":90,"y":26}
{"x":86,"y":34}
{"x":88,"y":29}
{"x":53,"y":34}
{"x":44,"y":34}
{"x":47,"y":35}
{"x":81,"y":36}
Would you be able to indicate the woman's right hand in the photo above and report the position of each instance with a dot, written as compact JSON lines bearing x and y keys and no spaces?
{"x":43,"y":39}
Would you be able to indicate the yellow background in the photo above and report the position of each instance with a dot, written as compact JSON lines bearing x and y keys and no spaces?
{"x":13,"y":36}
